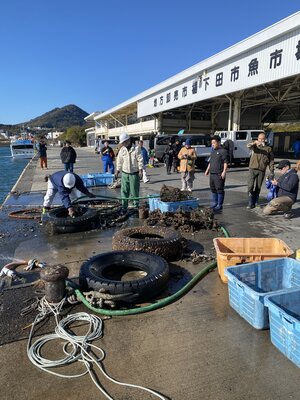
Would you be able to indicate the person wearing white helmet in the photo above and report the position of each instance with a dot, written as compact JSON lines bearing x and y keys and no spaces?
{"x":64,"y":183}
{"x":130,"y":164}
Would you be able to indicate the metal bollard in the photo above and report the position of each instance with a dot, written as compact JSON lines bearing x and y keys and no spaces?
{"x":53,"y":278}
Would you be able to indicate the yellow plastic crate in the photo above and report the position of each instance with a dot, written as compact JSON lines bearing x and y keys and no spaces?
{"x":236,"y":251}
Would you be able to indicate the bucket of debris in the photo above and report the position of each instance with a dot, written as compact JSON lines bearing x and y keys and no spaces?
{"x":172,"y":199}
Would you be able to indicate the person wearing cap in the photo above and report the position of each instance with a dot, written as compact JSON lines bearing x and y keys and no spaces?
{"x":288,"y":185}
{"x":65,"y":184}
{"x":262,"y":156}
{"x":130,"y":164}
{"x":216,"y":169}
{"x":187,"y":156}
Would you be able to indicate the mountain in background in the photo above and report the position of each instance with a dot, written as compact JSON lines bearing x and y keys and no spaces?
{"x":59,"y":119}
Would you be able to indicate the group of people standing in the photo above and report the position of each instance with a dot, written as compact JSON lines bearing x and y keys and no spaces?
{"x":262,"y":157}
{"x":132,"y":160}
{"x":68,"y":155}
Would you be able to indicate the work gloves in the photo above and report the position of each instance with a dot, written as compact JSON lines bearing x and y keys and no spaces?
{"x":71,"y":212}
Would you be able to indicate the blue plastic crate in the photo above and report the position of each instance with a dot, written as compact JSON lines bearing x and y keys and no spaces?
{"x":95,"y":179}
{"x":103,"y":179}
{"x":173,"y":206}
{"x":284,"y":315}
{"x":88,"y":180}
{"x":249,"y":284}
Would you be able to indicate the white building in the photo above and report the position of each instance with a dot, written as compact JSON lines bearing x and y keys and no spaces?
{"x":245,"y":86}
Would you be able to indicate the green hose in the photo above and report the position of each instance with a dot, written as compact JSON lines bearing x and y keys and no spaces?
{"x":113,"y":198}
{"x":161,"y":303}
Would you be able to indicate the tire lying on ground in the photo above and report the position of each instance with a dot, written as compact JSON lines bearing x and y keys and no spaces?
{"x":142,"y":274}
{"x":162,"y":241}
{"x":58,"y":220}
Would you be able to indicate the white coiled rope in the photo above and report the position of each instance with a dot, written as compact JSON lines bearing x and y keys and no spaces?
{"x":76,"y":348}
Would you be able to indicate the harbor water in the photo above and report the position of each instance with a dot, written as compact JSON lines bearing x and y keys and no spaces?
{"x":11,"y":169}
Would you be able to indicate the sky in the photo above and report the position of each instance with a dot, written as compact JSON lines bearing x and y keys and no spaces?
{"x":98,"y":53}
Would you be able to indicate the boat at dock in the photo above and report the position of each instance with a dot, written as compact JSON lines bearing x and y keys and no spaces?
{"x":22,"y":148}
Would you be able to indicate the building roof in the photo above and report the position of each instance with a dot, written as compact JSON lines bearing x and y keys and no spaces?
{"x":243,"y":47}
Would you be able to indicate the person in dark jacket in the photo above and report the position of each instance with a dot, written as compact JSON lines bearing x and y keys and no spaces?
{"x":108,"y":157}
{"x":68,"y":156}
{"x":229,"y":146}
{"x":65,"y":184}
{"x":262,"y":156}
{"x":217,"y":168}
{"x":42,"y":149}
{"x":168,"y":157}
{"x":176,"y":147}
{"x":288,"y":185}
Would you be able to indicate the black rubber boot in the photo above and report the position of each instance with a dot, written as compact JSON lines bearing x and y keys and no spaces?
{"x":219,"y":206}
{"x":251,"y":203}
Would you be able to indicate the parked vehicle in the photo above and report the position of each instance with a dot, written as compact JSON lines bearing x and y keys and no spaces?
{"x":200,"y":142}
{"x":240,"y":139}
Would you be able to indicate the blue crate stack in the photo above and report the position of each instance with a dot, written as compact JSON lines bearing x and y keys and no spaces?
{"x":249,"y":284}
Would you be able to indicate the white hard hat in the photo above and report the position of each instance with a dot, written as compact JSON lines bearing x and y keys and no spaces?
{"x":123,"y":137}
{"x":69,"y":180}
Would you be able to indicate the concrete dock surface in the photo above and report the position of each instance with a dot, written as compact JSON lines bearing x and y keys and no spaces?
{"x":195,"y":348}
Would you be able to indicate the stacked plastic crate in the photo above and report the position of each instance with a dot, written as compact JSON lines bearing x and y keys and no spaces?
{"x":265,"y":293}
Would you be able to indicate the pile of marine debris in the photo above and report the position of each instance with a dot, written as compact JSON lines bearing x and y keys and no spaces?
{"x":185,"y":221}
{"x":169,"y":194}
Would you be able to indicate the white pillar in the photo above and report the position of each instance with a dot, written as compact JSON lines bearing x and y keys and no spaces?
{"x":236,"y":114}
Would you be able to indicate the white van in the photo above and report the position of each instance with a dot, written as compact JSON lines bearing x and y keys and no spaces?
{"x":241,"y":153}
{"x":200,"y":142}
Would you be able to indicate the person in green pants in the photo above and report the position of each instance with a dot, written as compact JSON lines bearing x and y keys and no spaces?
{"x":130,"y":165}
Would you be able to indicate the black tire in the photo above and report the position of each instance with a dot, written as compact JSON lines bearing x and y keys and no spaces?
{"x":58,"y":221}
{"x":108,"y":271}
{"x":162,"y":241}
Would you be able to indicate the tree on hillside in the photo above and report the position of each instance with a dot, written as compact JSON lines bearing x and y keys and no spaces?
{"x":76,"y":135}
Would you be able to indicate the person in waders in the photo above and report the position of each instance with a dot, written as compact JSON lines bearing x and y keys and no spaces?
{"x":130,"y":165}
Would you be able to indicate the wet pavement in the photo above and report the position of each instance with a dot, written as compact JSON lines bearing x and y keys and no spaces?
{"x":195,"y":348}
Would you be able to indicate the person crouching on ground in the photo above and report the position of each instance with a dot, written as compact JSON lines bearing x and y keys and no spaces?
{"x":130,"y":165}
{"x":145,"y":160}
{"x":68,"y":156}
{"x":187,"y":157}
{"x":217,"y":167}
{"x":288,"y":185}
{"x":65,"y":184}
{"x":108,"y":157}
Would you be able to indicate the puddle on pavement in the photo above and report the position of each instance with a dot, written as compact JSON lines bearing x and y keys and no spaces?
{"x":26,"y":199}
{"x":70,"y":250}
